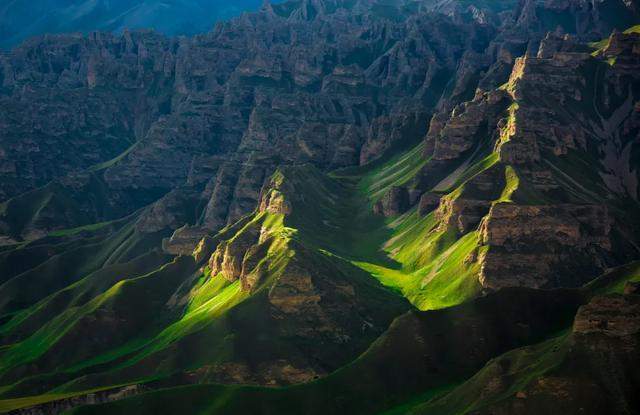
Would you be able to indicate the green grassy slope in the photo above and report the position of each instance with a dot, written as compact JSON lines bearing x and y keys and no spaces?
{"x":210,"y":317}
{"x":513,"y":372}
{"x":73,"y":262}
{"x":410,"y":254}
{"x":331,"y":233}
{"x":421,"y":351}
{"x":165,"y":322}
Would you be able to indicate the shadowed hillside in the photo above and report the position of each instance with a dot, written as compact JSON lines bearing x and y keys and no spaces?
{"x":326,"y":206}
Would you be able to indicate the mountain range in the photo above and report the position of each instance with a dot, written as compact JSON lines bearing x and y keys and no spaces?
{"x":21,"y":19}
{"x":326,"y":206}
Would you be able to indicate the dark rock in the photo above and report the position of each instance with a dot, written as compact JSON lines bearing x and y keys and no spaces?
{"x":532,"y":245}
{"x":394,"y":202}
{"x":632,"y":288}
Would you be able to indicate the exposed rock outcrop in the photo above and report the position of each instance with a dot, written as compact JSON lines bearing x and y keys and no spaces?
{"x":612,"y":316}
{"x":428,"y":202}
{"x":62,"y":405}
{"x":394,"y":202}
{"x":228,"y":260}
{"x":335,"y":87}
{"x":590,"y":371}
{"x":544,"y":246}
{"x":463,"y":129}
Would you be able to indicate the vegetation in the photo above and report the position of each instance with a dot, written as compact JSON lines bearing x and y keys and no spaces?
{"x":162,"y":305}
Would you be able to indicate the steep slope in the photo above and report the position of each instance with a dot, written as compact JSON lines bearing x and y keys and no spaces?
{"x":588,"y":370}
{"x":420,"y":350}
{"x":268,"y":214}
{"x":257,"y":303}
{"x":561,"y":152}
{"x":206,"y":120}
{"x":422,"y":357}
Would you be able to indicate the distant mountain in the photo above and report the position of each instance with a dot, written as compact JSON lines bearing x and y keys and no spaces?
{"x":21,"y":19}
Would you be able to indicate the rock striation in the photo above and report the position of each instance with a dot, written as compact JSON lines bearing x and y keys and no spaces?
{"x":545,"y":246}
{"x":330,"y":82}
{"x":544,"y":217}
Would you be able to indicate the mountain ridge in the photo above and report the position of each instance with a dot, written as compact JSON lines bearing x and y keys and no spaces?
{"x":17,"y":21}
{"x":368,"y":206}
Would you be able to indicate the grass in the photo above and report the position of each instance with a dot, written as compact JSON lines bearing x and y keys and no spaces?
{"x":155,"y":319}
{"x":444,"y":280}
{"x":427,"y":263}
{"x":517,"y":368}
{"x":513,"y":183}
{"x":207,"y":315}
{"x":602,"y":44}
{"x":86,"y":228}
{"x":408,"y":254}
{"x":109,"y":163}
{"x":51,"y":334}
{"x":523,"y":366}
{"x":188,"y":319}
{"x":457,"y":180}
{"x":331,"y":226}
{"x":8,"y":405}
{"x":613,"y":281}
{"x":398,"y":376}
{"x":397,"y":172}
{"x":209,"y":301}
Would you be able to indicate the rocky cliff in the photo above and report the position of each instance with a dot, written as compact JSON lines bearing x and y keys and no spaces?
{"x":318,"y":193}
{"x":335,"y":86}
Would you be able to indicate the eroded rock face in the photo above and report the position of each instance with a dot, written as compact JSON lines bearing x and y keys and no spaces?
{"x":460,"y":214}
{"x":595,"y":369}
{"x":544,"y":246}
{"x":395,"y":202}
{"x":183,"y":240}
{"x":428,"y":202}
{"x":466,"y":123}
{"x":228,"y":92}
{"x":307,"y":302}
{"x":332,"y":83}
{"x":228,"y":260}
{"x":173,"y":210}
{"x":274,"y":373}
{"x":274,"y":198}
{"x":622,"y":44}
{"x":540,"y":123}
{"x":387,"y":131}
{"x":209,"y":119}
{"x":60,"y":117}
{"x":612,"y":316}
{"x":554,"y":101}
{"x":62,"y":405}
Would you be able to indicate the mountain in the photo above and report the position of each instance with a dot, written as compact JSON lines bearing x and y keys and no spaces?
{"x":21,"y":19}
{"x":326,"y":206}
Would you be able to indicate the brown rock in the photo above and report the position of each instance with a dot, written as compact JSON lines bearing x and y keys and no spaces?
{"x":227,"y":260}
{"x":428,"y":202}
{"x":461,"y":214}
{"x":632,"y":288}
{"x":612,"y":315}
{"x":394,"y":202}
{"x":532,"y":245}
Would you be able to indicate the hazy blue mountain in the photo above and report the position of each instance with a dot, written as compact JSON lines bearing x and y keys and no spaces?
{"x":20,"y":19}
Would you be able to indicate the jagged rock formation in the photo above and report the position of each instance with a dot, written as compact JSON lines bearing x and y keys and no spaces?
{"x":559,"y":239}
{"x":217,"y":113}
{"x":544,"y":214}
{"x":262,"y":203}
{"x":589,"y":370}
